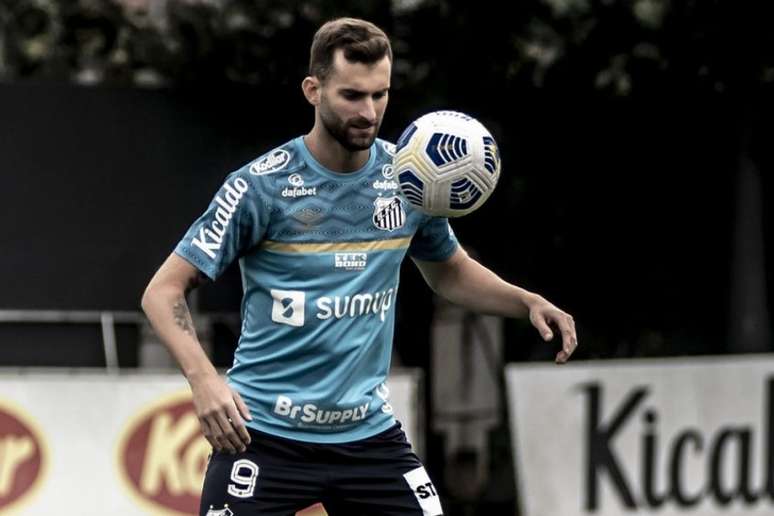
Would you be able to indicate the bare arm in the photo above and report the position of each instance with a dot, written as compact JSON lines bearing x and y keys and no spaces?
{"x":167,"y":310}
{"x":219,"y":408}
{"x":464,"y":281}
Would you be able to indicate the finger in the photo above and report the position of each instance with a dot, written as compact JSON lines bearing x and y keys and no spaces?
{"x":542,"y":327}
{"x":219,"y":433}
{"x":215,"y":437}
{"x":207,"y":433}
{"x":238,"y":425}
{"x":569,"y":343}
{"x":230,"y":437}
{"x":218,"y":444}
{"x":242,"y":406}
{"x":564,"y":354}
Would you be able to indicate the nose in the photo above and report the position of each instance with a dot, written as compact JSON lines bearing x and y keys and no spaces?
{"x":368,"y":110}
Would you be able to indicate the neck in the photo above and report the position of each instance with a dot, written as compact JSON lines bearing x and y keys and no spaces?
{"x":331,"y":154}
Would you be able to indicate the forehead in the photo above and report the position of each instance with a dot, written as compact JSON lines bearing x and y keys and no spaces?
{"x":359,"y":76}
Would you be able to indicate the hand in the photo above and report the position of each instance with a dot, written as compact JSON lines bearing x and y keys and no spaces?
{"x":543,"y":315}
{"x":220,"y":410}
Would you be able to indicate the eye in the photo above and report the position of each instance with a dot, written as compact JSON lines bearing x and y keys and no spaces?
{"x":380,"y":95}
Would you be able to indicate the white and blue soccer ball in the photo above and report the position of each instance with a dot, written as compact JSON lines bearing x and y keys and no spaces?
{"x":447,"y":164}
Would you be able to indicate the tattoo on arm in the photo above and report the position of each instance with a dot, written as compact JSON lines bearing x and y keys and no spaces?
{"x":183,"y":316}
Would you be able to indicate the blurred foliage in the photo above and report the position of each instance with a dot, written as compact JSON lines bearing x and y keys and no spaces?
{"x":623,"y":46}
{"x":615,"y":46}
{"x":158,"y":43}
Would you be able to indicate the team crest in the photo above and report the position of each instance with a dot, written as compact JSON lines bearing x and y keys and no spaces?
{"x":388,"y":213}
{"x":225,"y":511}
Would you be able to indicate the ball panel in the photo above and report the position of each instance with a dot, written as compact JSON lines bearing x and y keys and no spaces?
{"x":464,"y":194}
{"x":491,"y":155}
{"x":405,"y":137}
{"x":447,"y":163}
{"x":412,"y":187}
{"x":446,"y":148}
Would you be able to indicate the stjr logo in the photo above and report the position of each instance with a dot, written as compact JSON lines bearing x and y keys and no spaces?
{"x":729,"y":449}
{"x":426,"y":491}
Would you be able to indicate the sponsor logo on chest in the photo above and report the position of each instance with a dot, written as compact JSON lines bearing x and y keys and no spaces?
{"x":350,"y":261}
{"x":388,"y":183}
{"x":385,"y":185}
{"x":298,"y":189}
{"x":311,"y":414}
{"x":289,"y":306}
{"x":273,"y":162}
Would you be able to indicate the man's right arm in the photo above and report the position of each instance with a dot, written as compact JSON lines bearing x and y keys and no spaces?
{"x":220,"y":409}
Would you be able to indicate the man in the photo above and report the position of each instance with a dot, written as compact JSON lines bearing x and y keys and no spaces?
{"x":320,"y":231}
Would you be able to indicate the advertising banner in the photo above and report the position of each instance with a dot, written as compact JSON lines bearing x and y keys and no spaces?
{"x":690,"y":436}
{"x":92,"y":444}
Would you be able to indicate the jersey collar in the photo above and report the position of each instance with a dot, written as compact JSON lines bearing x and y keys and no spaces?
{"x":339,"y":176}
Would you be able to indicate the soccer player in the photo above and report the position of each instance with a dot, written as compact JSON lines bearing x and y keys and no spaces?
{"x":320,"y":231}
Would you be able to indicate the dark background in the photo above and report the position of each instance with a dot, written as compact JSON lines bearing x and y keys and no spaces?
{"x":635,"y":138}
{"x":621,"y":212}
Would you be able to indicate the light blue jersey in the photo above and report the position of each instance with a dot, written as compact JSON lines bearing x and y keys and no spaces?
{"x":320,"y":255}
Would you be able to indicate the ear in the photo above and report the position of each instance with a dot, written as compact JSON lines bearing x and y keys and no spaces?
{"x":311,"y":89}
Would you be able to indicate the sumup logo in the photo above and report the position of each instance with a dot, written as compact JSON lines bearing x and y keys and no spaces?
{"x":289,"y":306}
{"x":210,"y":237}
{"x":298,"y":189}
{"x":357,"y":305}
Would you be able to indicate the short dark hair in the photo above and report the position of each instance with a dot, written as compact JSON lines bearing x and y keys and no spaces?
{"x":362,"y":42}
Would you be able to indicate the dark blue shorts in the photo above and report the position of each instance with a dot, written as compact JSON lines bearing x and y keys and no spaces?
{"x":378,"y":476}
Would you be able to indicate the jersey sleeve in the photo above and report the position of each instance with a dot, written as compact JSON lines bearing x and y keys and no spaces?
{"x":434,"y":241}
{"x":235,"y":221}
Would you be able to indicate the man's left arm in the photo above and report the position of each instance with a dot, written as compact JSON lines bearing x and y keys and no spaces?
{"x":465,"y":282}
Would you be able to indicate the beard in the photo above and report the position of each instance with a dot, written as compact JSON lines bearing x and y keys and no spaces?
{"x":340,"y":130}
